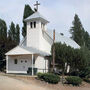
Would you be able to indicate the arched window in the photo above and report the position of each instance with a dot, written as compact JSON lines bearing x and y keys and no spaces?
{"x":34,"y":24}
{"x":31,"y":24}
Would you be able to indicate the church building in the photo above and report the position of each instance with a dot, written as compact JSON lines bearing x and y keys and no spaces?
{"x":32,"y":50}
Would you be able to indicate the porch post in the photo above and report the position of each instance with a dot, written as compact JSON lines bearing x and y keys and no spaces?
{"x":32,"y":64}
{"x":45,"y":65}
{"x":6,"y":63}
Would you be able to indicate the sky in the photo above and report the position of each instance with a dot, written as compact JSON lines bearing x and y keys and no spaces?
{"x":60,"y":13}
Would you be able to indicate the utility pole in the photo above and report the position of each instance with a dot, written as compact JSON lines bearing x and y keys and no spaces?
{"x":53,"y":49}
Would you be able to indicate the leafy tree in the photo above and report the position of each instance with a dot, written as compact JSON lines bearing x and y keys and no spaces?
{"x":27,"y":12}
{"x":79,"y":61}
{"x":75,"y":58}
{"x":17,"y":38}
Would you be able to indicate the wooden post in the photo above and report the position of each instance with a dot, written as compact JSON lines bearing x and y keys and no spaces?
{"x":45,"y":65}
{"x":53,"y":49}
{"x":32,"y":64}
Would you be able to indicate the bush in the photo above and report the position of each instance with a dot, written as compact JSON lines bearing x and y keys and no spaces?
{"x":74,"y":73}
{"x":87,"y":80}
{"x":85,"y":72}
{"x":49,"y":77}
{"x":40,"y":75}
{"x":88,"y":76}
{"x":74,"y":80}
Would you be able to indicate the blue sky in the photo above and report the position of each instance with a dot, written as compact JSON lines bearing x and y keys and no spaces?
{"x":60,"y":13}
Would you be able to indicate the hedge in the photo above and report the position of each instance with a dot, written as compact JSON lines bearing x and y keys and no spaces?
{"x":74,"y":80}
{"x":49,"y":77}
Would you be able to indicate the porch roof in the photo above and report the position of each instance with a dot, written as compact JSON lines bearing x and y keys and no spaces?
{"x":23,"y":50}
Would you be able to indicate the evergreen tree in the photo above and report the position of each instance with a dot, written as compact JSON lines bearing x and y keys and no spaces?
{"x":87,"y":40}
{"x":27,"y":12}
{"x":3,"y":38}
{"x":3,"y":29}
{"x":11,"y":32}
{"x":17,"y":38}
{"x":77,"y":31}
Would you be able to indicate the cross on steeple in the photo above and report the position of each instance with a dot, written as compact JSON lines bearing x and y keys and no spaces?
{"x":37,"y":4}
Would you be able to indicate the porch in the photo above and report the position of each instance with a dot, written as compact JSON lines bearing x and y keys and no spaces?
{"x":21,"y":58}
{"x":26,"y":64}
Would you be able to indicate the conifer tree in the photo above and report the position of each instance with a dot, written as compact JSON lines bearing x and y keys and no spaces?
{"x":27,"y":12}
{"x":3,"y":29}
{"x":11,"y":32}
{"x":17,"y":38}
{"x":77,"y":31}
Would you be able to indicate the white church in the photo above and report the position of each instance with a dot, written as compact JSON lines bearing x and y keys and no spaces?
{"x":32,"y":50}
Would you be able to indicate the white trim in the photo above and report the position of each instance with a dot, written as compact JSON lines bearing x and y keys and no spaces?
{"x":22,"y":72}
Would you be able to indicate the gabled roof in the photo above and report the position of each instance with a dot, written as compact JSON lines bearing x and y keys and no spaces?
{"x":37,"y":15}
{"x":22,"y":50}
{"x":58,"y":38}
{"x":18,"y":51}
{"x":63,"y":39}
{"x":35,"y":51}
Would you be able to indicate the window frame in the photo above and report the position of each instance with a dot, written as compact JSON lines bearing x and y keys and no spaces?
{"x":34,"y":24}
{"x":15,"y":61}
{"x":31,"y":24}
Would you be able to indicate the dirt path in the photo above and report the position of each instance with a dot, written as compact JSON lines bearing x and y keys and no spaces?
{"x":7,"y":83}
{"x":17,"y":83}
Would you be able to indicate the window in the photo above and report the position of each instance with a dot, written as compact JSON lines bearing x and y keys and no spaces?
{"x":15,"y":61}
{"x":34,"y":24}
{"x":31,"y":24}
{"x":34,"y":60}
{"x":25,"y":61}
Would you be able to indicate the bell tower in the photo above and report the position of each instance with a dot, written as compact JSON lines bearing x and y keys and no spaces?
{"x":36,"y":23}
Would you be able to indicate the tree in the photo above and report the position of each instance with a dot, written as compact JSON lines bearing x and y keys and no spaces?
{"x":66,"y":54}
{"x":86,"y":40}
{"x":27,"y":12}
{"x":11,"y":32}
{"x":3,"y":29}
{"x":17,"y":38}
{"x":77,"y":31}
{"x":3,"y":37}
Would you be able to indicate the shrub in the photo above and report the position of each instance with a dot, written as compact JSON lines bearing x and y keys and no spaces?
{"x":85,"y":72}
{"x":49,"y":77}
{"x":40,"y":75}
{"x":88,"y":76}
{"x":87,"y":80}
{"x":74,"y":73}
{"x":74,"y":80}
